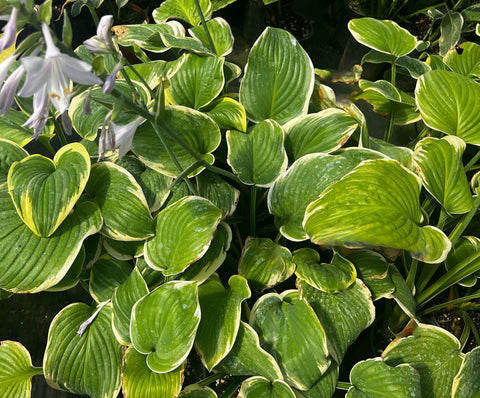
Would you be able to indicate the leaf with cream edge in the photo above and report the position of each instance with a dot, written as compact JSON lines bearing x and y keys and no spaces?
{"x":214,"y":188}
{"x":227,"y":113}
{"x":220,"y":33}
{"x":10,"y":152}
{"x":16,"y":370}
{"x":183,"y":234}
{"x":106,"y":275}
{"x":279,"y":78}
{"x":260,"y":387}
{"x":323,"y":387}
{"x":88,"y":363}
{"x":45,"y":191}
{"x":454,"y":108}
{"x":466,"y":383}
{"x":195,"y":391}
{"x":12,"y":128}
{"x":381,"y":208}
{"x":164,"y":324}
{"x":29,"y":263}
{"x":182,"y":9}
{"x":467,"y":63}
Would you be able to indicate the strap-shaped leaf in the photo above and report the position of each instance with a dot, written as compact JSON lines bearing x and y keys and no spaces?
{"x":106,"y":275}
{"x":373,"y":378}
{"x":220,"y":33}
{"x":454,"y":108}
{"x":45,"y":191}
{"x":278,"y":79}
{"x":247,"y":358}
{"x":182,"y":9}
{"x":465,"y":60}
{"x":257,"y":157}
{"x":384,"y":36}
{"x":227,"y":113}
{"x":292,"y":333}
{"x":381,"y":209}
{"x":465,"y":383}
{"x":140,"y":381}
{"x":221,"y":311}
{"x":164,"y":324}
{"x":29,"y":263}
{"x":125,"y":210}
{"x":442,"y":172}
{"x":195,"y":129}
{"x":265,"y":263}
{"x":10,"y":152}
{"x":16,"y":370}
{"x":465,"y":247}
{"x":344,"y":315}
{"x":183,"y":233}
{"x":433,"y":352}
{"x":261,"y":387}
{"x":83,"y":363}
{"x":212,"y":187}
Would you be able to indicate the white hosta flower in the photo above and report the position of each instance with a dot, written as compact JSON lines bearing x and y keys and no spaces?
{"x":9,"y":31}
{"x":109,"y":84}
{"x":122,"y":137}
{"x":9,"y":89}
{"x":38,"y":119}
{"x":4,"y":67}
{"x":102,"y":43}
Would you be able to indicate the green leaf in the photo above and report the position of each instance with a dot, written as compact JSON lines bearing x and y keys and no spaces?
{"x":212,"y":187}
{"x":381,"y":209}
{"x":72,"y":277}
{"x":278,"y":79}
{"x":166,"y":336}
{"x":155,"y":186}
{"x":177,"y":124}
{"x":221,"y":311}
{"x":140,"y":381}
{"x":373,"y":378}
{"x":292,"y":333}
{"x":154,"y":72}
{"x":182,"y":9}
{"x":441,"y":168}
{"x":45,"y":191}
{"x":402,"y":155}
{"x":220,"y":33}
{"x":451,"y":31}
{"x":198,"y":81}
{"x":195,"y":391}
{"x":218,"y":4}
{"x":11,"y":128}
{"x":454,"y":108}
{"x":257,"y":157}
{"x":433,"y":352}
{"x":123,"y":250}
{"x":16,"y":370}
{"x":10,"y":152}
{"x":465,"y":383}
{"x":465,"y":247}
{"x":384,"y":36}
{"x":83,"y":363}
{"x":106,"y":275}
{"x":184,"y":231}
{"x":325,"y":131}
{"x":323,"y":387}
{"x":467,"y":62}
{"x":265,"y":263}
{"x":260,"y":387}
{"x":227,"y":113}
{"x":247,"y":358}
{"x":29,"y":263}
{"x":344,"y":315}
{"x":152,"y":278}
{"x":189,"y":44}
{"x":124,"y":207}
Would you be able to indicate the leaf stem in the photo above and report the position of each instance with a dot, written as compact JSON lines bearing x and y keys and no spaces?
{"x":412,"y":273}
{"x":233,"y":387}
{"x":463,"y":224}
{"x":454,"y":302}
{"x":342,"y":385}
{"x":472,"y":162}
{"x":204,"y":25}
{"x":253,"y":208}
{"x":210,"y":379}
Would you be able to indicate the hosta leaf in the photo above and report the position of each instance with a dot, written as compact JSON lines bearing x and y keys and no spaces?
{"x":195,"y":129}
{"x":88,"y":363}
{"x":451,"y":31}
{"x":164,"y":324}
{"x":16,"y":370}
{"x":265,"y":263}
{"x":182,"y":9}
{"x":106,"y":275}
{"x":467,"y":62}
{"x":218,"y":4}
{"x":124,"y":207}
{"x":466,"y":382}
{"x":11,"y":128}
{"x":29,"y":263}
{"x":198,"y":81}
{"x":221,"y":310}
{"x":184,"y":231}
{"x":402,"y":155}
{"x":45,"y":191}
{"x":212,"y":187}
{"x":195,"y":391}
{"x":140,"y":381}
{"x":292,"y":333}
{"x":465,"y":247}
{"x":325,"y":131}
{"x":344,"y":315}
{"x":227,"y":113}
{"x":189,"y":44}
{"x":220,"y":33}
{"x":260,"y":387}
{"x":330,"y":278}
{"x":247,"y":358}
{"x":151,"y":277}
{"x":154,"y":72}
{"x":257,"y":157}
{"x":384,"y":36}
{"x":454,"y":108}
{"x":278,"y":79}
{"x":442,"y":172}
{"x":381,"y":209}
{"x":72,"y":277}
{"x":323,"y":387}
{"x":155,"y":186}
{"x":10,"y":152}
{"x":123,"y":250}
{"x":433,"y":352}
{"x":373,"y":378}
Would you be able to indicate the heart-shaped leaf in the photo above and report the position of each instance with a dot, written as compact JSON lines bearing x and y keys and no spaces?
{"x":164,"y":323}
{"x":227,"y":113}
{"x":257,"y":157}
{"x":45,"y":191}
{"x":261,"y":387}
{"x":83,"y":361}
{"x":278,"y":79}
{"x":16,"y":370}
{"x":10,"y":152}
{"x":381,"y":209}
{"x":221,"y":310}
{"x":140,"y":381}
{"x":106,"y":275}
{"x":454,"y":108}
{"x":182,"y":9}
{"x":184,"y":231}
{"x":442,"y":172}
{"x":220,"y":33}
{"x":467,"y":62}
{"x":465,"y":383}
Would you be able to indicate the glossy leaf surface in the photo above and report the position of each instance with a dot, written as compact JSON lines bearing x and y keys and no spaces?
{"x":466,"y":382}
{"x":214,"y":188}
{"x":227,"y":113}
{"x":106,"y":275}
{"x":467,"y":63}
{"x":10,"y":152}
{"x":220,"y":33}
{"x":182,"y":9}
{"x":259,"y":387}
